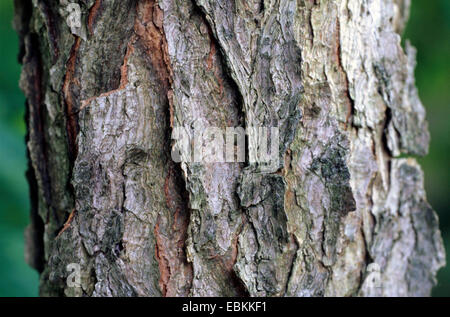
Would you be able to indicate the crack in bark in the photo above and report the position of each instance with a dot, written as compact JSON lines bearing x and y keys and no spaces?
{"x":338,"y":53}
{"x":149,"y":28}
{"x":123,"y":77}
{"x":163,"y":261}
{"x":93,"y":13}
{"x":70,"y":106}
{"x":51,"y":28}
{"x":170,"y":252}
{"x":67,"y":223}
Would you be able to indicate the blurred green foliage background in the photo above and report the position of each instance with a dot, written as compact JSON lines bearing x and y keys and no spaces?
{"x":428,"y":30}
{"x":16,"y":277}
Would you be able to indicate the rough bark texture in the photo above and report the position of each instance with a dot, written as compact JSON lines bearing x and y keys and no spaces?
{"x":103,"y":98}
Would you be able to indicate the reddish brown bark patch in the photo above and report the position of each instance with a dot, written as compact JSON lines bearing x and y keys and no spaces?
{"x":93,"y":13}
{"x":170,"y":239}
{"x":149,"y":29}
{"x":67,"y":223}
{"x":161,"y":257}
{"x":70,"y":104}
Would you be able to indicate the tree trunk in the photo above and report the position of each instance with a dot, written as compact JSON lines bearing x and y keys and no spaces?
{"x":344,"y":213}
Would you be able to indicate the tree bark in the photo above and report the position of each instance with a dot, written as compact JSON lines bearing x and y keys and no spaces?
{"x":344,"y":213}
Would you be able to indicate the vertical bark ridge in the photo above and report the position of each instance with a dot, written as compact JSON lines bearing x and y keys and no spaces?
{"x":271,"y":95}
{"x":203,"y":98}
{"x":34,"y":233}
{"x":149,"y":228}
{"x":169,"y":245}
